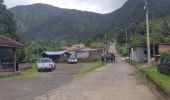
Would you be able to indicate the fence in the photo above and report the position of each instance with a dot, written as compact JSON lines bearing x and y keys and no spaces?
{"x":9,"y":67}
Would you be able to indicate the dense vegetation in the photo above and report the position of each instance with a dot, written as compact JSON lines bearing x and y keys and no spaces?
{"x":7,"y":22}
{"x":133,"y":22}
{"x":44,"y":22}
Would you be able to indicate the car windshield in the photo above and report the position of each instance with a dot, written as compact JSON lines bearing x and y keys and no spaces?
{"x":45,"y":60}
{"x":72,"y":58}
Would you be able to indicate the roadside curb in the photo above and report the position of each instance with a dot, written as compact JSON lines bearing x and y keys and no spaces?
{"x":153,"y":85}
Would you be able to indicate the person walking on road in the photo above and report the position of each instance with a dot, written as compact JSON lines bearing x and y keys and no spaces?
{"x":103,"y":59}
{"x":113,"y":58}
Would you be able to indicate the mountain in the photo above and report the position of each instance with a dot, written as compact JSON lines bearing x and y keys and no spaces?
{"x":133,"y":11}
{"x":45,"y":22}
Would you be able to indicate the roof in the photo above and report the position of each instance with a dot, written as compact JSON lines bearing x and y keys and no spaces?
{"x":9,"y":43}
{"x":87,"y":49}
{"x":54,"y":53}
{"x":72,"y":49}
{"x":164,"y":43}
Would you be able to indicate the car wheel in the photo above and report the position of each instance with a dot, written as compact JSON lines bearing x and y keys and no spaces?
{"x":51,"y":69}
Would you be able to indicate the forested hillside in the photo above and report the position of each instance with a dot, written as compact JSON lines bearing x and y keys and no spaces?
{"x":133,"y":12}
{"x":7,"y":22}
{"x":44,"y":22}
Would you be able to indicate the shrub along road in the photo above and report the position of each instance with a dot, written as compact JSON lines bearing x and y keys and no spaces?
{"x":31,"y":86}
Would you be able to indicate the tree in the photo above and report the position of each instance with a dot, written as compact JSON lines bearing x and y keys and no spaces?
{"x":166,"y":27}
{"x":120,"y":36}
{"x":7,"y":22}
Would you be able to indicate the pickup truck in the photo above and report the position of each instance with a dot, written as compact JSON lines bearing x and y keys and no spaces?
{"x":45,"y":64}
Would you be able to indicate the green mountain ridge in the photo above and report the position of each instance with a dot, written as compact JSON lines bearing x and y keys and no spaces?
{"x":45,"y":22}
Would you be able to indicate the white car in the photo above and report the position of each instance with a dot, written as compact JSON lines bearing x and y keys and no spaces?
{"x":45,"y":64}
{"x":72,"y":60}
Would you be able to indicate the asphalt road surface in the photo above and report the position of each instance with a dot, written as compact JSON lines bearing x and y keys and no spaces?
{"x":27,"y":88}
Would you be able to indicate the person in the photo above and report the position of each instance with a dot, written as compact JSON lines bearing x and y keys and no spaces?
{"x":113,"y":57}
{"x":103,"y":59}
{"x":107,"y":59}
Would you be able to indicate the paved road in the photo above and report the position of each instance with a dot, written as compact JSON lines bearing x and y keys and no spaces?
{"x":111,"y":82}
{"x":27,"y":88}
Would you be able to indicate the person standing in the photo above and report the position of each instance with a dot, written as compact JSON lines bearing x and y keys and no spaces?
{"x":113,"y":58}
{"x":103,"y":59}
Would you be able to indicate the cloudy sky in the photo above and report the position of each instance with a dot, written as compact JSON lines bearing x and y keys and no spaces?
{"x":99,"y":6}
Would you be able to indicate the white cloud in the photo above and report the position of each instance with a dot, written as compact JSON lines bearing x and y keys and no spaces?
{"x":100,"y":6}
{"x":12,"y":3}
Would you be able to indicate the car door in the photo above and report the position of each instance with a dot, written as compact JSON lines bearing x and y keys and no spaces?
{"x":165,"y":66}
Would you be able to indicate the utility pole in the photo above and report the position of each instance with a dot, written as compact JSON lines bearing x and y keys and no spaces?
{"x":38,"y":47}
{"x":126,"y":37}
{"x":105,"y":43}
{"x":148,"y":39}
{"x":153,"y":35}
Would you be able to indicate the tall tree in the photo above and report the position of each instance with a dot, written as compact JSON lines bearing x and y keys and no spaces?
{"x":7,"y":22}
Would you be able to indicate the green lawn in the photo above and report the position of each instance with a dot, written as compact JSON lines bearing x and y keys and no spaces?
{"x":161,"y":80}
{"x":29,"y":72}
{"x":90,"y":66}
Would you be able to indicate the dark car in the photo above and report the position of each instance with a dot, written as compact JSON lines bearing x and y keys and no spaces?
{"x":164,"y":65}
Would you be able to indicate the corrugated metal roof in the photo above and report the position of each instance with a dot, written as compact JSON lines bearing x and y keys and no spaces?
{"x":51,"y":53}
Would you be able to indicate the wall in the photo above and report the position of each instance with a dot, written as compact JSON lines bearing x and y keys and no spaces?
{"x":137,"y":54}
{"x":164,"y":47}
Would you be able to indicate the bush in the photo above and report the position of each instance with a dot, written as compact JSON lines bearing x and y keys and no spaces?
{"x":123,"y":51}
{"x":164,"y":54}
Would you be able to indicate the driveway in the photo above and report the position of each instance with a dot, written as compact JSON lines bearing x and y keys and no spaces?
{"x":117,"y":81}
{"x":27,"y":88}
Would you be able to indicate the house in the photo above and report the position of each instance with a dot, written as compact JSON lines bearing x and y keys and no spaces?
{"x":74,"y":48}
{"x":56,"y":56}
{"x":10,"y":46}
{"x":72,"y":51}
{"x":139,"y":53}
{"x":88,"y":54}
{"x":81,"y":52}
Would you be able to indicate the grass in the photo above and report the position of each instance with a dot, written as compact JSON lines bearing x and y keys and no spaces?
{"x":28,"y":72}
{"x":91,"y":66}
{"x":161,"y":80}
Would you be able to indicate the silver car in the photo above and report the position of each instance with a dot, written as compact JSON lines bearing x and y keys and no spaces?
{"x":45,"y":64}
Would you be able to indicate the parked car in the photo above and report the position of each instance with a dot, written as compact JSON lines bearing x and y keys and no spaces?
{"x":45,"y":64}
{"x":72,"y":60}
{"x":164,"y":65}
